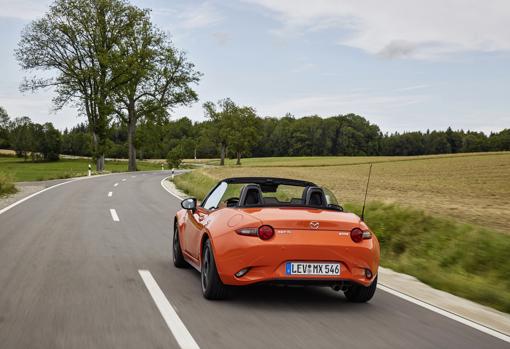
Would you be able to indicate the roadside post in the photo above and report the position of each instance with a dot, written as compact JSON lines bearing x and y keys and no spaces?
{"x":173,"y":171}
{"x":162,"y":167}
{"x":90,"y":170}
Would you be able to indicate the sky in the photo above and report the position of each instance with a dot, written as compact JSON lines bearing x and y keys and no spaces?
{"x":402,"y":64}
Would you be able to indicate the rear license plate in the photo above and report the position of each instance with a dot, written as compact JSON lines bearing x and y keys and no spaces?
{"x":303,"y":268}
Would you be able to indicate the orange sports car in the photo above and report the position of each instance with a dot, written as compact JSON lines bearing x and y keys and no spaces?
{"x":272,"y":230}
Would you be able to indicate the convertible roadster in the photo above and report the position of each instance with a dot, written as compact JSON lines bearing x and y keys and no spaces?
{"x":253,"y":230}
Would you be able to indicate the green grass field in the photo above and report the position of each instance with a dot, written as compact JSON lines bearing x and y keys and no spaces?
{"x":20,"y":170}
{"x":443,"y":219}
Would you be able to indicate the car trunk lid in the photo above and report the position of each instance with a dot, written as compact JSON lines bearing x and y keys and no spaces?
{"x":304,"y":218}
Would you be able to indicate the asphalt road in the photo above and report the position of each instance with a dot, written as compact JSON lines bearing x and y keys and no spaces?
{"x":69,"y":278}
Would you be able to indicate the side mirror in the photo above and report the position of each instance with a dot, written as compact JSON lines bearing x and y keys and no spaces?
{"x":189,"y":204}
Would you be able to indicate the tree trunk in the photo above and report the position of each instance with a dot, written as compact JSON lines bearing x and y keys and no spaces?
{"x":100,"y":163}
{"x":99,"y":157}
{"x":222,"y":154}
{"x":238,"y":158}
{"x":131,"y":136}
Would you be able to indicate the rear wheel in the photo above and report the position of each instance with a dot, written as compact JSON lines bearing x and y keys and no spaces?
{"x":360,"y":294}
{"x":178,"y":258}
{"x":212,"y":287}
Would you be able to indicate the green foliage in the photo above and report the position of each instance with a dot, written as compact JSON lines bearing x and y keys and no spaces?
{"x":174,"y":157}
{"x":50,"y":142}
{"x":6,"y":184}
{"x":22,"y":137}
{"x":458,"y":258}
{"x":158,"y":78}
{"x":40,"y":142}
{"x":77,"y":141}
{"x":83,"y":43}
{"x":195,"y":183}
{"x":4,"y":128}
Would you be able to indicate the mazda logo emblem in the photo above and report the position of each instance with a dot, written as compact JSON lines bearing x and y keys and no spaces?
{"x":314,"y":225}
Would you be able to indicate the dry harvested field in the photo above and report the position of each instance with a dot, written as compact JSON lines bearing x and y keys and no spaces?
{"x":7,"y":152}
{"x":473,"y":188}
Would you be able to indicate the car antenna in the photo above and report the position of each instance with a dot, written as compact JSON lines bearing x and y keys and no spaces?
{"x":366,"y":192}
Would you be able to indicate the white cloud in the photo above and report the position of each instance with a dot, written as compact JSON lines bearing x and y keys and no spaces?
{"x":402,"y":28}
{"x":203,"y":15}
{"x":355,"y":102}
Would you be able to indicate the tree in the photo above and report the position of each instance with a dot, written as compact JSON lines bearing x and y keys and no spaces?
{"x":21,"y":136}
{"x":174,"y":157}
{"x":50,"y":144}
{"x":79,"y":41}
{"x":222,"y":121}
{"x":159,"y":78}
{"x":4,"y":128}
{"x":243,"y":131}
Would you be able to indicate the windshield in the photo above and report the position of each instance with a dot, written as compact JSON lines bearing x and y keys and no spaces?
{"x":251,"y":194}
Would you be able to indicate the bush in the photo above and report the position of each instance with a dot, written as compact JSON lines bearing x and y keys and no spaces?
{"x":174,"y":157}
{"x":6,"y":184}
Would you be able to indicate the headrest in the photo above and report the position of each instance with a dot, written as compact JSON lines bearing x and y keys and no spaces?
{"x":251,"y":194}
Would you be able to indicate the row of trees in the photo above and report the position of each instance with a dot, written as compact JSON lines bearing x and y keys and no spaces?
{"x":234,"y":131}
{"x":28,"y":139}
{"x":110,"y":61}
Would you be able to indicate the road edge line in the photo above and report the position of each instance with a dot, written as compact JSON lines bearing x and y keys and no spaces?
{"x":174,"y":323}
{"x":168,"y":190}
{"x":446,"y":313}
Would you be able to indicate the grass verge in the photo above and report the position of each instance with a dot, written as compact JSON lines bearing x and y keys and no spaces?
{"x":463,"y":259}
{"x":20,"y":170}
{"x":6,"y":185}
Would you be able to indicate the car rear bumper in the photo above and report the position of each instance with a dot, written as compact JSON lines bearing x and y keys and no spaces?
{"x":267,"y":260}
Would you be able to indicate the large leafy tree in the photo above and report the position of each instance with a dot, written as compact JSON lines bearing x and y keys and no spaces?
{"x":78,"y":41}
{"x":244,"y":131}
{"x":158,"y":78}
{"x":22,"y":137}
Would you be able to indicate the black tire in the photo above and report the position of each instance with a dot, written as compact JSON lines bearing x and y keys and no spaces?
{"x":360,"y":294}
{"x":178,"y":258}
{"x":212,"y":287}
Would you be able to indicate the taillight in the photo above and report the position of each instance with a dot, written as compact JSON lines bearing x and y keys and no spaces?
{"x":357,"y":235}
{"x":266,"y":232}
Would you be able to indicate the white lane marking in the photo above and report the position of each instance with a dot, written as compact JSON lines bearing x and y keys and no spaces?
{"x":116,"y":184}
{"x":446,"y":313}
{"x":162,"y":181}
{"x":5,"y":209}
{"x":133,"y":176}
{"x":115,"y":217}
{"x":110,"y":194}
{"x":124,"y":179}
{"x":174,"y":323}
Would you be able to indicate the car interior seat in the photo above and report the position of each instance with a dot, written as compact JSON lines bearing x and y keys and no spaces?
{"x":250,"y":194}
{"x":314,"y":196}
